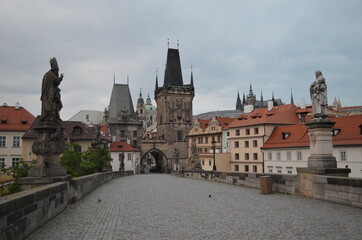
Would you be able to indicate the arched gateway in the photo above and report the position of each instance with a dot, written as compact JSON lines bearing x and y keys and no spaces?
{"x":154,"y":160}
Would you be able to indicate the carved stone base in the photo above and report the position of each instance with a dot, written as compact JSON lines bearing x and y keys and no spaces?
{"x":43,"y":171}
{"x":321,"y":161}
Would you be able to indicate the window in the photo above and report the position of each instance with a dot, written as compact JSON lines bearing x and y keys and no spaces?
{"x":16,"y":141}
{"x":203,"y":162}
{"x":227,"y":134}
{"x":246,"y":144}
{"x":237,"y":132}
{"x":209,"y":163}
{"x":200,"y":139}
{"x":247,"y":156}
{"x":299,"y":155}
{"x":247,"y":131}
{"x":122,"y":133}
{"x":343,"y":155}
{"x":285,"y":135}
{"x":2,"y":162}
{"x":218,"y":139}
{"x":236,"y":156}
{"x":255,"y":168}
{"x":255,"y":156}
{"x":179,"y":135}
{"x":270,"y":169}
{"x":206,"y":140}
{"x":16,"y":161}
{"x":289,"y":156}
{"x":135,"y":143}
{"x":134,"y":133}
{"x":77,"y":130}
{"x":270,"y":156}
{"x":129,"y":156}
{"x":255,"y":143}
{"x":236,"y":168}
{"x":279,"y":170}
{"x":2,"y":141}
{"x":278,"y":156}
{"x":256,"y":130}
{"x":289,"y":170}
{"x":236,"y":144}
{"x":87,"y":117}
{"x":205,"y":150}
{"x":246,"y":168}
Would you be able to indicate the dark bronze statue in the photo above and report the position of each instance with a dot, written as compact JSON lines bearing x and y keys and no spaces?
{"x":50,"y":95}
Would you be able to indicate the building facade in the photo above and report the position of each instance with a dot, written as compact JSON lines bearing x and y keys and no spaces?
{"x":14,"y":122}
{"x":288,"y":147}
{"x":250,"y":131}
{"x":125,"y":157}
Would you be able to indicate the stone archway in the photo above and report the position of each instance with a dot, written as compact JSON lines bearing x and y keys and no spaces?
{"x":154,"y":160}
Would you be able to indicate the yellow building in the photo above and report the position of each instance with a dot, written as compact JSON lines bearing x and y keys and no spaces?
{"x":250,"y":131}
{"x":203,"y":133}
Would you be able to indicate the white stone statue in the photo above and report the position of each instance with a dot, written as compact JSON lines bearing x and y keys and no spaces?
{"x":318,"y":95}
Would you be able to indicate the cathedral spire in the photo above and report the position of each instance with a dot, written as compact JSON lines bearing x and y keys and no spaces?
{"x":273,"y":96}
{"x":238,"y":103}
{"x":173,"y":74}
{"x":291,"y":97}
{"x":244,"y":100}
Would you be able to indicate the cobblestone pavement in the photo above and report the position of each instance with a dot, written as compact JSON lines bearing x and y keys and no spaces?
{"x":160,"y":206}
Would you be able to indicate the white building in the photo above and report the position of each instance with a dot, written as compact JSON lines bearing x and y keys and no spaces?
{"x":125,"y":157}
{"x":288,"y":147}
{"x":88,"y":117}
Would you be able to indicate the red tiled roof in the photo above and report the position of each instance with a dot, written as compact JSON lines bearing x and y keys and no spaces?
{"x":74,"y":130}
{"x":349,"y":134}
{"x":16,"y":119}
{"x":284,"y":114}
{"x":203,"y":123}
{"x":348,"y":108}
{"x":224,"y":121}
{"x":122,"y":147}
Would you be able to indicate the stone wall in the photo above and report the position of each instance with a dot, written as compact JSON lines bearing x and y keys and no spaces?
{"x":24,"y":212}
{"x":281,"y":183}
{"x":343,"y":190}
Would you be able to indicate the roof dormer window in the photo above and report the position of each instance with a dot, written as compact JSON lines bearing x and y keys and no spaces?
{"x":336,"y":131}
{"x":4,"y":120}
{"x":77,"y":130}
{"x":285,"y":135}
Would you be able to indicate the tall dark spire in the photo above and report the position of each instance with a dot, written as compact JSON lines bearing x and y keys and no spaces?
{"x":156,"y":87}
{"x":238,"y":103}
{"x":261,"y":99}
{"x":173,"y":74}
{"x":291,"y":97}
{"x":273,"y":96}
{"x":244,"y":100}
{"x":192,"y":78}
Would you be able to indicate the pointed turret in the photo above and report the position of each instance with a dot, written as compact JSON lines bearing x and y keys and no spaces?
{"x":244,"y":100}
{"x":192,"y":78}
{"x":173,"y":74}
{"x":238,"y":103}
{"x":291,"y":97}
{"x":156,"y":86}
{"x":140,"y":100}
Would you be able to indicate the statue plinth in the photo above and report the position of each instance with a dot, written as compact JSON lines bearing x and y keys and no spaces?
{"x":320,"y":132}
{"x":48,"y":147}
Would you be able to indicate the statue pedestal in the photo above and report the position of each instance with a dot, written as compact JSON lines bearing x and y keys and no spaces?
{"x":320,"y":132}
{"x":321,"y":160}
{"x":48,"y":147}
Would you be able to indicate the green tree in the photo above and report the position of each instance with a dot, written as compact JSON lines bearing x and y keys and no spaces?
{"x":95,"y":159}
{"x":18,"y":171}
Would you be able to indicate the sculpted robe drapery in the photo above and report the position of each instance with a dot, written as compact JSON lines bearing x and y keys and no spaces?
{"x":50,"y":97}
{"x":318,"y":94}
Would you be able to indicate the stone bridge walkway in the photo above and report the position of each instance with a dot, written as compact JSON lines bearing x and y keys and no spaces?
{"x":160,"y":206}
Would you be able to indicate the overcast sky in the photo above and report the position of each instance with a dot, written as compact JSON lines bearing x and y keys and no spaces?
{"x":274,"y":45}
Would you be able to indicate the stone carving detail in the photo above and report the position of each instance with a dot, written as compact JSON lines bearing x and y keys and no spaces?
{"x":50,"y":141}
{"x":318,"y":94}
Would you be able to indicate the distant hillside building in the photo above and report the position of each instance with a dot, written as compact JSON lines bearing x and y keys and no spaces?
{"x":174,"y":118}
{"x":147,"y":114}
{"x":122,"y":120}
{"x":14,"y":122}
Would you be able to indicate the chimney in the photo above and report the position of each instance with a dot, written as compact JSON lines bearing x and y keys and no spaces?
{"x":270,"y":105}
{"x":302,"y":104}
{"x":17,"y":105}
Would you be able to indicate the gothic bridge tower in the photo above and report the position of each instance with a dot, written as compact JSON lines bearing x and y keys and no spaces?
{"x":174,"y":114}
